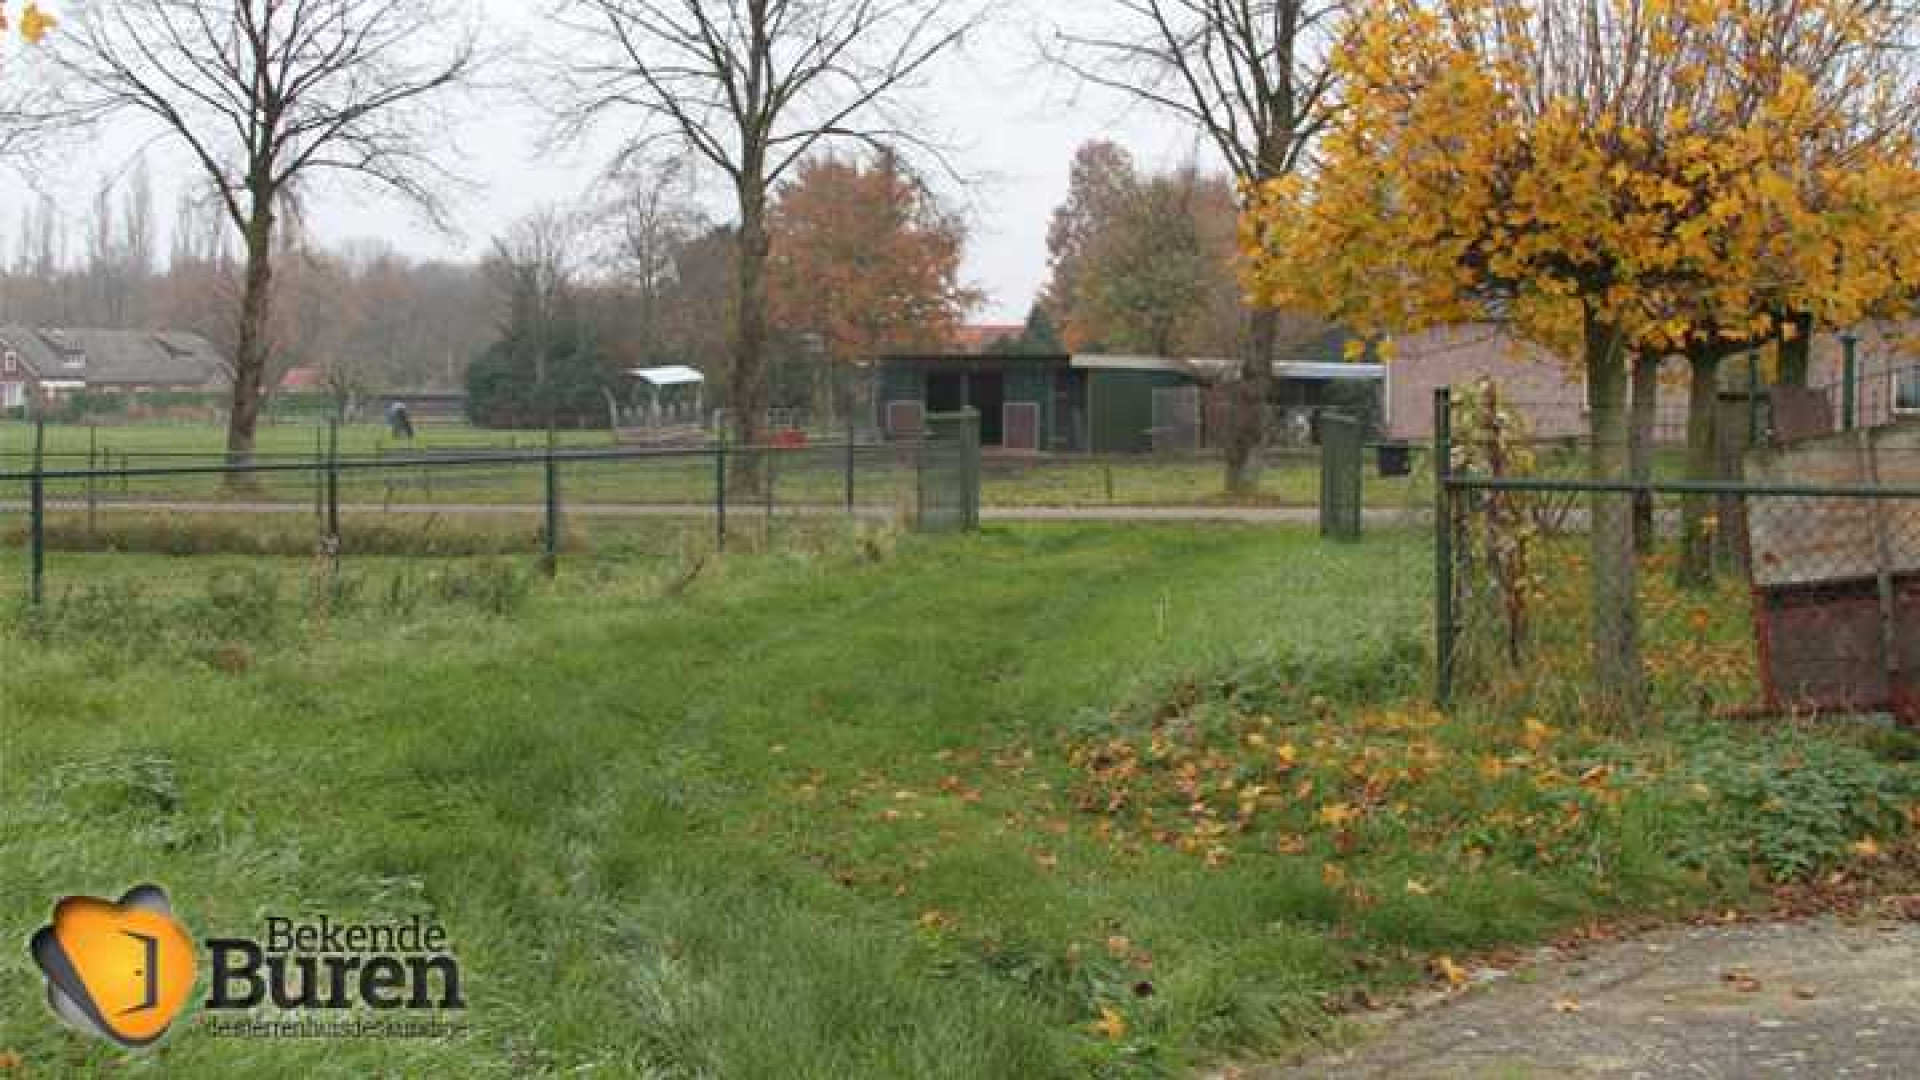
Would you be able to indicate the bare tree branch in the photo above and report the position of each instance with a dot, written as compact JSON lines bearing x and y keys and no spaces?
{"x":753,"y":87}
{"x":266,"y":96}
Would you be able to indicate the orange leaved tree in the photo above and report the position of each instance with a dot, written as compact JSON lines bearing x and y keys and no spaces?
{"x":865,"y":257}
{"x":1609,"y":177}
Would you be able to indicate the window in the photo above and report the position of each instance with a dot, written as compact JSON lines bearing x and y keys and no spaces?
{"x":1906,"y":392}
{"x":12,"y":395}
{"x":10,"y":363}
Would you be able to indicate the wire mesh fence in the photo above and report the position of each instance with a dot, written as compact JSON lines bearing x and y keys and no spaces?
{"x":546,"y":505}
{"x":1738,"y":599}
{"x":1750,"y":572}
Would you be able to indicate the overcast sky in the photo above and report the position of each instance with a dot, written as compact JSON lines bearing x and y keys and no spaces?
{"x":1015,"y":122}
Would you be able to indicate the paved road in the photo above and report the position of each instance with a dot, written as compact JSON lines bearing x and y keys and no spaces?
{"x":1141,"y":514}
{"x":1818,"y":1000}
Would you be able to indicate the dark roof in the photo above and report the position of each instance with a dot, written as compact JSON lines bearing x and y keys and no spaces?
{"x":110,"y":358}
{"x":950,"y":360}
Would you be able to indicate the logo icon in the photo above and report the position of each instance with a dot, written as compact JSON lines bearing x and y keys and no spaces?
{"x":119,"y":970}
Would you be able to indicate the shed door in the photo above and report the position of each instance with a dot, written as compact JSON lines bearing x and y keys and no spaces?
{"x":1021,"y":427}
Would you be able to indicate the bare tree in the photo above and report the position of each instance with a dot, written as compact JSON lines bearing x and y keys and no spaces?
{"x":651,"y":220}
{"x":266,"y":96}
{"x":753,"y":87}
{"x":534,"y":269}
{"x":1253,"y":78}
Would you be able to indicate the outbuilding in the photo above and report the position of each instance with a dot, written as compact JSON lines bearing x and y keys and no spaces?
{"x":1101,"y":404}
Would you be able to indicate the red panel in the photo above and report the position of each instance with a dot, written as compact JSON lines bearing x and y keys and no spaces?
{"x":1020,"y":427}
{"x":906,"y":420}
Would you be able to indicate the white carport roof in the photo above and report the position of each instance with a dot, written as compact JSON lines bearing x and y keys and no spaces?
{"x":1332,"y":372}
{"x":676,"y":375}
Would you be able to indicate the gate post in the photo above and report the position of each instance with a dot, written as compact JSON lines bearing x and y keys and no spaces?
{"x":551,"y":561}
{"x":37,"y":509}
{"x":1849,"y":378}
{"x":720,"y":492}
{"x":1340,"y":449}
{"x":1443,"y":616}
{"x":970,"y":471}
{"x":333,"y":483}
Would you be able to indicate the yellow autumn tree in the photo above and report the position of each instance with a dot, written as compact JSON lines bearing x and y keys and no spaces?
{"x":1608,"y":177}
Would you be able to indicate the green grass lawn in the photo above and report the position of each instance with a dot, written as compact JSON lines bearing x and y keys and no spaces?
{"x":1043,"y":802}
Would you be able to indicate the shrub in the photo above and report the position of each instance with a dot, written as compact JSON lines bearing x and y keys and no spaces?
{"x":1794,"y":804}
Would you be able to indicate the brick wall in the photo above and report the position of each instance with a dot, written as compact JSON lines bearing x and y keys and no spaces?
{"x":1551,"y":393}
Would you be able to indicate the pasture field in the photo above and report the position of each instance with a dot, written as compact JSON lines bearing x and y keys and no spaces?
{"x":1047,"y":801}
{"x":1291,"y":479}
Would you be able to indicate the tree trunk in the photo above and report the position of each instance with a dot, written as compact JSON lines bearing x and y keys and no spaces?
{"x":1618,"y":673}
{"x":747,"y":390}
{"x":251,"y":342}
{"x":1696,"y":511}
{"x":1796,"y":351}
{"x":1646,"y":410}
{"x":1247,"y":404}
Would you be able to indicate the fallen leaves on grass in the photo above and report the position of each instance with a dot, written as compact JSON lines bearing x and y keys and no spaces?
{"x":1111,"y":1025}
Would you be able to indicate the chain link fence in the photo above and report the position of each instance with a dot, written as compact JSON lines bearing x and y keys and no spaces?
{"x":1787,"y":582}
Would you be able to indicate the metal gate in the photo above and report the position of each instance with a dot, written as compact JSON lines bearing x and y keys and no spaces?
{"x":948,"y":475}
{"x":1341,"y":448}
{"x":1176,"y":420}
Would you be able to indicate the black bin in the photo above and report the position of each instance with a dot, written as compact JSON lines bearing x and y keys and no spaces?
{"x":1396,"y":459}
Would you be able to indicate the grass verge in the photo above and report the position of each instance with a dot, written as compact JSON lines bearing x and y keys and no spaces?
{"x":1044,"y":802}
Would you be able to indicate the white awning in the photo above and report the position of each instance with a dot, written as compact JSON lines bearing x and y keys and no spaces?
{"x":1332,"y":372}
{"x":669,"y":376}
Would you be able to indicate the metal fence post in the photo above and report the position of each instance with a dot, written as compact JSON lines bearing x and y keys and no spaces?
{"x":1849,"y":378}
{"x":93,"y":481}
{"x":551,"y":564}
{"x":1443,"y":616}
{"x":772,"y":459}
{"x":333,"y":482}
{"x":37,"y":513}
{"x":970,"y":441}
{"x":319,"y":474}
{"x":720,"y":491}
{"x":852,"y":438}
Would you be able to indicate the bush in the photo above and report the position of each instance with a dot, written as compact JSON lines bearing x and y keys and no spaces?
{"x":1795,"y":804}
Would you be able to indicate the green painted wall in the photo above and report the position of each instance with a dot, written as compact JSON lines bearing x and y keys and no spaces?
{"x":898,"y":384}
{"x":1122,"y":408}
{"x":1034,"y":385}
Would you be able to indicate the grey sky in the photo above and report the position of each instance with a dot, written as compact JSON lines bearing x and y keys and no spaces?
{"x":1016,"y":125}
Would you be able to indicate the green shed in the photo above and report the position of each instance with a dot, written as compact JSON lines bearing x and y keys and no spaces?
{"x":1051,"y":403}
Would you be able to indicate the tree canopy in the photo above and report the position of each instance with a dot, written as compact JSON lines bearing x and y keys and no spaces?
{"x":866,"y":258}
{"x":1666,"y":170}
{"x":1610,"y":177}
